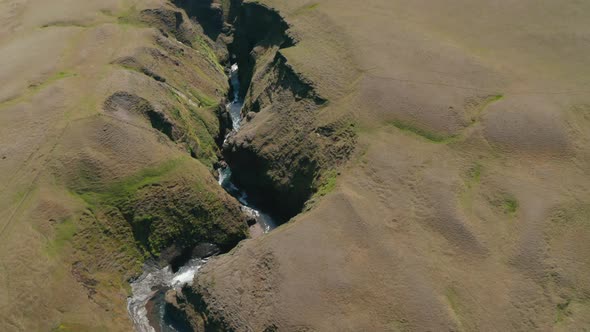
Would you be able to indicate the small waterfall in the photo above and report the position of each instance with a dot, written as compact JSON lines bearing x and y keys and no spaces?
{"x":155,"y":281}
{"x":235,"y":106}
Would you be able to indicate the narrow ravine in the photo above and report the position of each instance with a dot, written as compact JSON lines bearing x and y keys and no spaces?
{"x":263,"y":221}
{"x":147,"y":305}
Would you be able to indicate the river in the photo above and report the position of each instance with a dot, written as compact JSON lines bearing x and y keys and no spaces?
{"x":149,"y":289}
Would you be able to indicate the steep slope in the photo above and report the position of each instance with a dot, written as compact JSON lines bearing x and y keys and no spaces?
{"x":291,"y":140}
{"x":465,"y":205}
{"x":438,"y":151}
{"x":108,"y":129}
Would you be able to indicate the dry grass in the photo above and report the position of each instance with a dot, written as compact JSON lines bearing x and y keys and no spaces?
{"x":423,"y":236}
{"x":66,"y":163}
{"x":487,"y":232}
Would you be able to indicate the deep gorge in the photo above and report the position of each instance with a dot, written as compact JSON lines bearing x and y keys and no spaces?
{"x":248,"y":36}
{"x":280,"y":179}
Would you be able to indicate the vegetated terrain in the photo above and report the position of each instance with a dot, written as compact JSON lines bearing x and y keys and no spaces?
{"x":443,"y":144}
{"x":108,"y":129}
{"x":465,"y":204}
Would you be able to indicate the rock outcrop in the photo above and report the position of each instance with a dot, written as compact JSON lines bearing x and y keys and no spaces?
{"x":281,"y":155}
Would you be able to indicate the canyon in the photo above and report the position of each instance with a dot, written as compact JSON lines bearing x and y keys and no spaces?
{"x":229,"y":165}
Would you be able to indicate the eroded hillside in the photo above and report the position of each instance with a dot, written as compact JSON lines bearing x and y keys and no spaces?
{"x":433,"y":157}
{"x":109,"y":128}
{"x":464,"y":206}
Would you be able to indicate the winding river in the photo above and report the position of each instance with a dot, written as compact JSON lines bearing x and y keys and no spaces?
{"x":146,"y":306}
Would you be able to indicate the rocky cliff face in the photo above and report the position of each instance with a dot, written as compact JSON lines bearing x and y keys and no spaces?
{"x":281,"y":155}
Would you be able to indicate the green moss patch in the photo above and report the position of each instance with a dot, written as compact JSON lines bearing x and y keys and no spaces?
{"x":328,"y":183}
{"x":562,"y":311}
{"x":208,"y":52}
{"x":507,"y":203}
{"x":130,"y":17}
{"x":163,"y":206}
{"x":478,"y":107}
{"x":34,"y":88}
{"x":204,"y":99}
{"x":64,"y":232}
{"x":493,"y":99}
{"x":428,"y":135}
{"x":306,"y":8}
{"x":474,"y":173}
{"x":111,"y":194}
{"x":510,"y":205}
{"x":453,"y":299}
{"x":200,"y":129}
{"x":488,"y":101}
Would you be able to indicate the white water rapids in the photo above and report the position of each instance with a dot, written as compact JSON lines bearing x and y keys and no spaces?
{"x":265,"y":221}
{"x":154,"y":281}
{"x":235,"y":106}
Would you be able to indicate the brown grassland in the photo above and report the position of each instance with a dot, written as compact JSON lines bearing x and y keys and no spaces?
{"x":465,"y":204}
